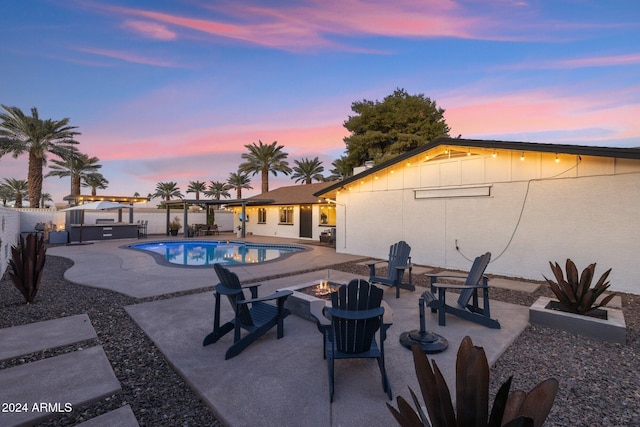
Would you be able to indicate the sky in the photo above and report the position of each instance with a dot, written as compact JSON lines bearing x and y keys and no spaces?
{"x":173,"y":90}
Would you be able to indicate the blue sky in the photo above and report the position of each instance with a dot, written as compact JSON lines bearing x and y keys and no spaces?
{"x":173,"y":90}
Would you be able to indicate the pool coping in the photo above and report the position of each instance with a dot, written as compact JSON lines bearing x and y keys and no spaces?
{"x":161,"y":260}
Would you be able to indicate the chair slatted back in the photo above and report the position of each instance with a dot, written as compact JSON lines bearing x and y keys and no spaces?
{"x":230,"y":280}
{"x":474,"y":278}
{"x":398,"y":256}
{"x":355,"y":336}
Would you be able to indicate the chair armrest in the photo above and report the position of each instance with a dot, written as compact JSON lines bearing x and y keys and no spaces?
{"x":387,"y":317}
{"x":278,"y":295}
{"x":434,"y":277}
{"x":254,"y":285}
{"x":316,"y":309}
{"x":461,"y":286}
{"x":445,"y":276}
{"x":356,"y":314}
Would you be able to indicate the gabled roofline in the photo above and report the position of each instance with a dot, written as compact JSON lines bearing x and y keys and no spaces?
{"x":586,"y":150}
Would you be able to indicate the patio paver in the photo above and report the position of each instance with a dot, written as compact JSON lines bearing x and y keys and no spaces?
{"x":56,"y":384}
{"x":24,"y":339}
{"x":121,"y":417}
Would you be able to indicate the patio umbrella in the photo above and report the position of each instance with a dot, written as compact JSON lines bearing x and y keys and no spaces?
{"x":96,"y":206}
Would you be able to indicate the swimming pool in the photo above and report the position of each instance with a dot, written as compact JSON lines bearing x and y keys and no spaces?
{"x":209,"y":252}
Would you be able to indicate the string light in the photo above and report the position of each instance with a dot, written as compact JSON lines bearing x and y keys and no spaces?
{"x":522,"y":156}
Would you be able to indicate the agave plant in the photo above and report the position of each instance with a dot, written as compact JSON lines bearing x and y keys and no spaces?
{"x":27,"y":264}
{"x":472,"y":396}
{"x":576,"y":294}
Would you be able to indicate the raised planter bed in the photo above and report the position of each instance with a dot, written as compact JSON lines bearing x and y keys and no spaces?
{"x":611,"y":328}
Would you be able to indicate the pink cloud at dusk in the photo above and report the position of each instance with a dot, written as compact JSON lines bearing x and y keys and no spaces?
{"x":540,"y":111}
{"x":311,"y":25}
{"x":125,"y":56}
{"x":215,"y":141}
{"x":576,"y":63}
{"x":150,"y":29}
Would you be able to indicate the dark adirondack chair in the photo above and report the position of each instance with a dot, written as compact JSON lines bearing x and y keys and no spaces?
{"x":467,"y":305}
{"x":399,"y":261}
{"x":349,"y":330}
{"x":254,"y":315}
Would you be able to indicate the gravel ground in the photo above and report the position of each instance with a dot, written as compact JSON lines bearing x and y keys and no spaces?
{"x":599,"y":382}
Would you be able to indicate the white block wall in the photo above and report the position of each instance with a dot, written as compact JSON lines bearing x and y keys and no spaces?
{"x":9,"y":232}
{"x":584,"y":209}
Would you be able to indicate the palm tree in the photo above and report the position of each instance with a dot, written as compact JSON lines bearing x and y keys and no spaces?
{"x":18,"y":190}
{"x":307,"y":170}
{"x":167,"y":190}
{"x":341,"y":169}
{"x":95,"y":181}
{"x":6,"y":194}
{"x":44,"y":198}
{"x":218,"y":189}
{"x":238,"y":181}
{"x":21,"y":134}
{"x":265,"y":158}
{"x":76,"y":165}
{"x":197,"y":187}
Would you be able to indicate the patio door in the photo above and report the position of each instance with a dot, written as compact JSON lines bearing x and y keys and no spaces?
{"x":306,"y":228}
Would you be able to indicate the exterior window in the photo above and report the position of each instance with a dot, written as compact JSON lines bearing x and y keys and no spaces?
{"x":262,"y":215}
{"x":286,"y":215}
{"x":328,"y":215}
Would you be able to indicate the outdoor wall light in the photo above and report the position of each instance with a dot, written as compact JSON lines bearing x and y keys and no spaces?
{"x":495,"y":154}
{"x":557,"y":159}
{"x":522,"y":156}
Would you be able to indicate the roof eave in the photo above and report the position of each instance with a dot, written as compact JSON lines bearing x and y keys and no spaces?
{"x":626,"y":153}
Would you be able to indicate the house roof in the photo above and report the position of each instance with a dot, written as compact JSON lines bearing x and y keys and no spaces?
{"x":623,"y":153}
{"x":301,"y":194}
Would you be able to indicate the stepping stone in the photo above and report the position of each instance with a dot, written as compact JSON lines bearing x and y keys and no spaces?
{"x":515,"y":285}
{"x":55,"y":385}
{"x":20,"y":340}
{"x":121,"y":417}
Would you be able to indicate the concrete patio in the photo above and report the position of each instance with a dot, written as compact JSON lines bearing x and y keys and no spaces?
{"x":274,"y":382}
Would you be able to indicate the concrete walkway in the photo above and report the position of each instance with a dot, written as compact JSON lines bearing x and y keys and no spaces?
{"x":275,"y":382}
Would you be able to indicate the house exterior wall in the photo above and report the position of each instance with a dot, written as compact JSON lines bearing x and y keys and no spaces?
{"x":537,"y":210}
{"x":272,"y":226}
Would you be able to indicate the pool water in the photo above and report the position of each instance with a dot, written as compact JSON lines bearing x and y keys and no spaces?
{"x":207,"y":253}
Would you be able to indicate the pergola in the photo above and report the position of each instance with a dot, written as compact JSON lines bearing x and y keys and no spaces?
{"x":208,"y":202}
{"x":79,"y":199}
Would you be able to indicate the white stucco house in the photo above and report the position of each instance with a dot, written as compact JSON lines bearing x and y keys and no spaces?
{"x":290,"y":212}
{"x":526,"y":203}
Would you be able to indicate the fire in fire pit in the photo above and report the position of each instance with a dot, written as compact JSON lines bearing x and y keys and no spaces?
{"x":322,"y":290}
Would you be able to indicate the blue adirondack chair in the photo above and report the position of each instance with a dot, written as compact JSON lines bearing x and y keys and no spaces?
{"x":399,"y":261}
{"x":349,"y":330}
{"x":254,"y":315}
{"x":467,"y":306}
